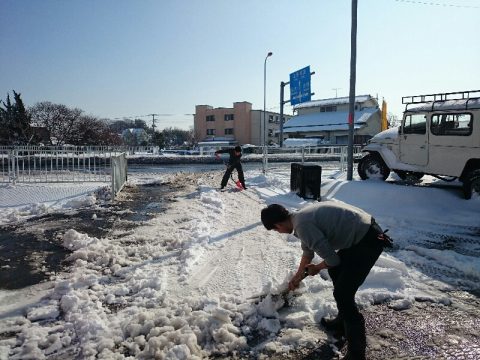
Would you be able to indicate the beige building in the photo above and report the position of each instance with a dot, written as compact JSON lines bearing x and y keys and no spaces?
{"x":236,"y":126}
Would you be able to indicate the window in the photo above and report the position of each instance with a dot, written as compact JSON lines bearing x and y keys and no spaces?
{"x":210,"y":117}
{"x":415,"y":124}
{"x":277,"y":119}
{"x":451,"y":124}
{"x":210,"y":131}
{"x":270,"y":132}
{"x":229,"y":131}
{"x":229,"y":117}
{"x":329,"y":108}
{"x":270,"y":118}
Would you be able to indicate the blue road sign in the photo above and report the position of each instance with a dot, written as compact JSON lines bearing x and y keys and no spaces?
{"x":300,"y":86}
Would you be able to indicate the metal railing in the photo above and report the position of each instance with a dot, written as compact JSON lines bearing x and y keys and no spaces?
{"x":40,"y":164}
{"x":119,"y":173}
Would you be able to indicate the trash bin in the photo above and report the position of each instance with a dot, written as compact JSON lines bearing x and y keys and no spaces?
{"x":305,"y":180}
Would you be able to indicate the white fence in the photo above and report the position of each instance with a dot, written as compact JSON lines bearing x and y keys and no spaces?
{"x":82,"y":164}
{"x":37,"y":164}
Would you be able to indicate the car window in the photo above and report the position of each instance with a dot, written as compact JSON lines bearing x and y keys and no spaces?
{"x":415,"y":124}
{"x":451,"y":124}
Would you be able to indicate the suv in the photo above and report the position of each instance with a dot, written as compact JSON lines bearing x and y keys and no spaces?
{"x":439,"y":136}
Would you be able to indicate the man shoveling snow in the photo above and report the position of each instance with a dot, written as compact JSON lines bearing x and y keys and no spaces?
{"x":323,"y":229}
{"x":233,"y":163}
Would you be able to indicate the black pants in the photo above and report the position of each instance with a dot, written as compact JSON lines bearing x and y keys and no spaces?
{"x":228,"y":172}
{"x":355,"y":264}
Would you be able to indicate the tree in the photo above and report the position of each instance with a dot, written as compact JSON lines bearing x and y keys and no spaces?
{"x":58,"y":119}
{"x":174,"y":137}
{"x":393,"y":120}
{"x":89,"y":130}
{"x":158,"y":139}
{"x":140,"y":124}
{"x":120,"y":125}
{"x":15,"y":128}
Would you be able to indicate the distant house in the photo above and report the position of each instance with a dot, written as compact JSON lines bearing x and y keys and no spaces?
{"x":135,"y":136}
{"x":327,"y":119}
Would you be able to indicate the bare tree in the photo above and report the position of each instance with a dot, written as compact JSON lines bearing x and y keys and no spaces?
{"x":393,"y":120}
{"x":58,"y":119}
{"x":90,"y":130}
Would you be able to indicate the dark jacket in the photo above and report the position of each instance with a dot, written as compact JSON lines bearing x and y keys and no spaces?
{"x":234,"y":160}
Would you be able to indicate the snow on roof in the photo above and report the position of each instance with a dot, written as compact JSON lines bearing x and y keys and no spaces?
{"x":136,"y":131}
{"x":327,"y":121}
{"x":463,"y":104}
{"x":292,"y":142}
{"x":332,"y":101}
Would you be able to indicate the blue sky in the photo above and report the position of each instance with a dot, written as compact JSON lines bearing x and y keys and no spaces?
{"x":116,"y":58}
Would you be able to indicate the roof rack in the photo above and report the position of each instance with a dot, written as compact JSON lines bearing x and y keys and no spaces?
{"x":433,"y":98}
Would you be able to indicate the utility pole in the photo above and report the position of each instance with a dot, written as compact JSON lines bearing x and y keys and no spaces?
{"x":351,"y":110}
{"x":282,"y":91}
{"x":153,"y":121}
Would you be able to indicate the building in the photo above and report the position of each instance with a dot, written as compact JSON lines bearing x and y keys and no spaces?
{"x":327,"y":119}
{"x":135,"y":137}
{"x":235,"y":126}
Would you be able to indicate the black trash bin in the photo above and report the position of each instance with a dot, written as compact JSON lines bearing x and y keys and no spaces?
{"x":305,"y":180}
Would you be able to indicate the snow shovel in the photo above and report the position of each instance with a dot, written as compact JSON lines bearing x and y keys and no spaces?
{"x":282,"y":299}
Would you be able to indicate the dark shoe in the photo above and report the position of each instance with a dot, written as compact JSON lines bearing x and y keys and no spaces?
{"x":333,"y":325}
{"x":349,"y":356}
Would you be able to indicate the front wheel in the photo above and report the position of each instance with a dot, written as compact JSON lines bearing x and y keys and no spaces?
{"x":471,"y":184}
{"x":372,"y":166}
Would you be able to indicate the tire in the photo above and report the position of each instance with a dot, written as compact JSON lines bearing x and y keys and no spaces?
{"x":371,"y":166}
{"x":409,"y":176}
{"x":471,"y":184}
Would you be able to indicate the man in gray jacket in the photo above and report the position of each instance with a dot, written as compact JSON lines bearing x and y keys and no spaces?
{"x":349,"y":242}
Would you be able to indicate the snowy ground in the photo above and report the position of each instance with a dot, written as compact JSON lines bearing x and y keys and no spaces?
{"x":179,"y":286}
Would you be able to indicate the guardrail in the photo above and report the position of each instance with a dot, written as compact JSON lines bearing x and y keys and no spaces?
{"x":24,"y":164}
{"x":310,"y":153}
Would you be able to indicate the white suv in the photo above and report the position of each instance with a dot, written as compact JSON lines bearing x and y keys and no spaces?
{"x":439,"y":136}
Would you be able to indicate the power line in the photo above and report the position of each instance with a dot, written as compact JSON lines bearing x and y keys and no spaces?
{"x":438,"y":4}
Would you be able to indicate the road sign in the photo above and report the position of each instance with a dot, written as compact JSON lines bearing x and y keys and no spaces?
{"x":300,"y":86}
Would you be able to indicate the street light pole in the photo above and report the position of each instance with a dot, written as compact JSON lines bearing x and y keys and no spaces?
{"x":265,"y":94}
{"x":264,"y":110}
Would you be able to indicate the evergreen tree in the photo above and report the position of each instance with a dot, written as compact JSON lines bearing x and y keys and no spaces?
{"x":14,"y":122}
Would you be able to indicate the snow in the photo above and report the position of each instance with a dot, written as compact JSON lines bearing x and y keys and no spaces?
{"x":24,"y":200}
{"x":183,"y":286}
